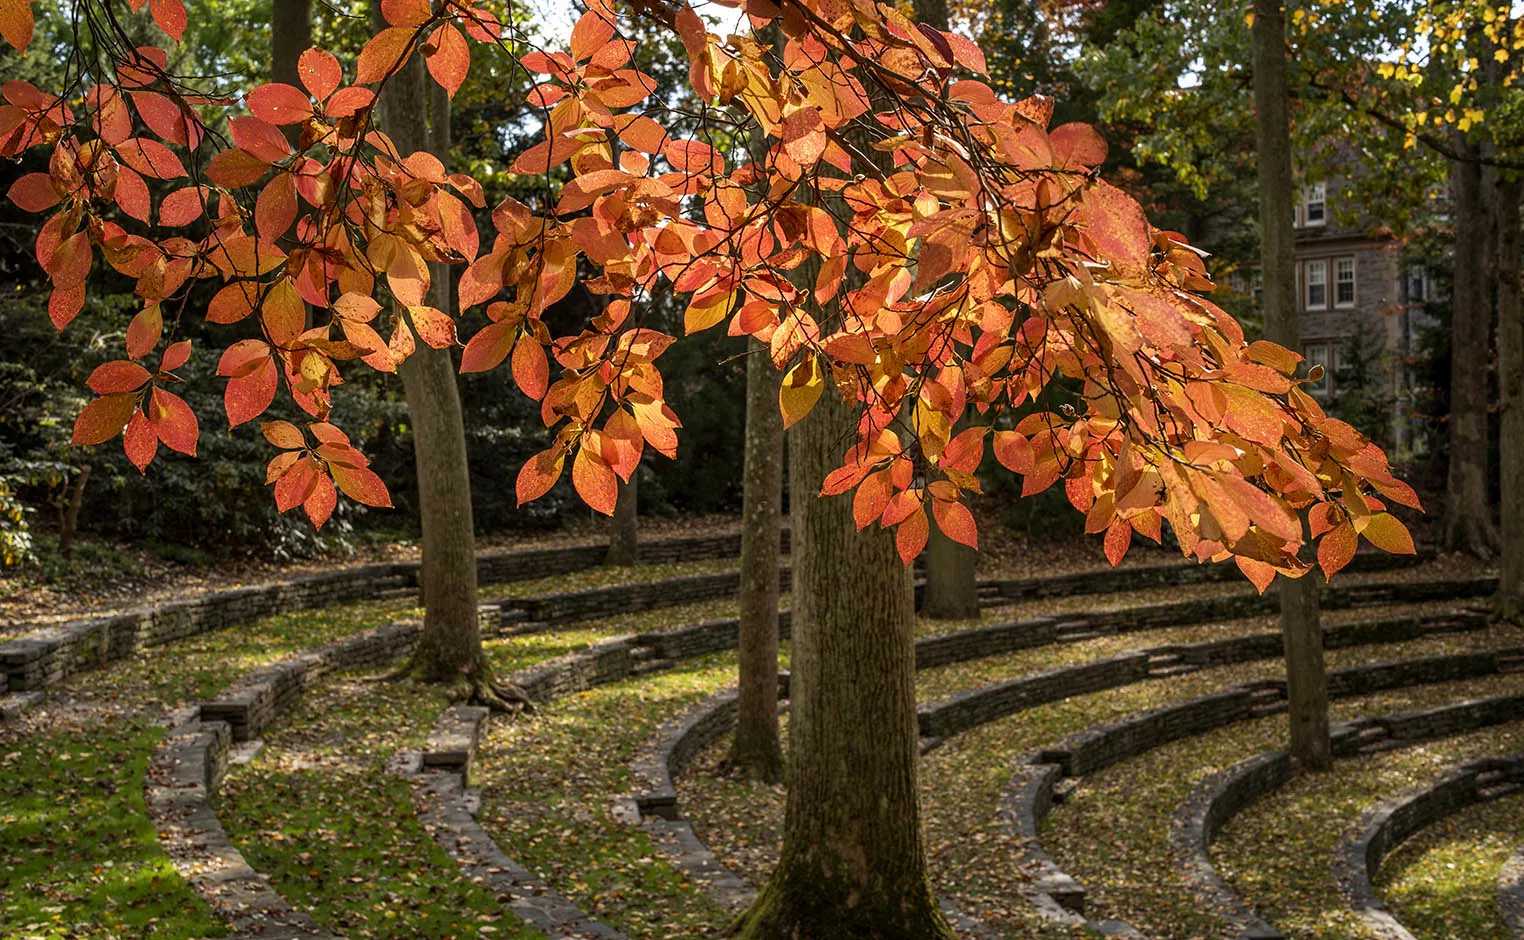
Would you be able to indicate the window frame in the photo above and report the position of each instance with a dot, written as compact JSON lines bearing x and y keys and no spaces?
{"x":1308,"y":285}
{"x":1354,"y":283}
{"x":1315,"y":194}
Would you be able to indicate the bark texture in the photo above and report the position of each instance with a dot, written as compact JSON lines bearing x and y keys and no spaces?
{"x":1468,"y":513}
{"x":952,"y":591}
{"x":756,"y":751}
{"x":449,"y":648}
{"x":290,"y":36}
{"x":623,"y":527}
{"x":1301,"y":631}
{"x":853,"y":860}
{"x":1510,"y":294}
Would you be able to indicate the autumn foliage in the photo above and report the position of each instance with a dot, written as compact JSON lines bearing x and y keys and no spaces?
{"x":939,"y":296}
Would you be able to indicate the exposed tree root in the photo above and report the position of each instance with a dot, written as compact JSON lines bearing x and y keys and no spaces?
{"x":498,"y":696}
{"x":1476,"y":537}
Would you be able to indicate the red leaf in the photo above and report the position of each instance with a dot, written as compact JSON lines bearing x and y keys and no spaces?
{"x":181,"y":207}
{"x":361,"y":485}
{"x":140,"y":443}
{"x":234,"y":169}
{"x":175,"y":356}
{"x":450,"y":59}
{"x":1118,"y":540}
{"x":34,"y":192}
{"x":320,"y":502}
{"x":132,"y":194}
{"x":956,"y":522}
{"x":275,"y":209}
{"x":538,"y":475}
{"x":150,"y":158}
{"x":173,"y":421}
{"x":279,"y":104}
{"x":910,"y":537}
{"x":259,"y":138}
{"x":170,"y":15}
{"x":296,"y":484}
{"x":595,"y":481}
{"x":103,"y":418}
{"x":1014,"y":451}
{"x":248,"y":396}
{"x":144,"y":331}
{"x":165,"y":117}
{"x":64,"y":305}
{"x":112,"y":378}
{"x":70,"y":262}
{"x":320,"y":72}
{"x":531,"y":368}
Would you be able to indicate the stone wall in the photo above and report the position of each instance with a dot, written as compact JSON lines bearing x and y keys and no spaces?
{"x":536,"y":613}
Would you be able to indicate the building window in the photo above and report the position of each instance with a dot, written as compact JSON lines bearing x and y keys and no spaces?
{"x":1419,"y":286}
{"x":1317,"y":285}
{"x":1315,"y":204}
{"x":1320,"y":354}
{"x":1344,"y":282}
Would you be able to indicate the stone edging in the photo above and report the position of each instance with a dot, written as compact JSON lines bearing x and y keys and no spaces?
{"x":1386,"y":825}
{"x":1043,"y":776}
{"x":47,"y":656}
{"x":1510,"y":893}
{"x":188,"y":766}
{"x":440,"y":776}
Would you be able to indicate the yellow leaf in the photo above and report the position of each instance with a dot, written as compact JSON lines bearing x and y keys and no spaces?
{"x":707,"y":311}
{"x":800,"y":390}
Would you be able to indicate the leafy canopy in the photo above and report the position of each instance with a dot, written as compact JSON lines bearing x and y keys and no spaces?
{"x":934,"y":254}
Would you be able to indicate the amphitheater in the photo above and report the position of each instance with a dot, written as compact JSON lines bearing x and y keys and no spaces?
{"x":1101,"y":755}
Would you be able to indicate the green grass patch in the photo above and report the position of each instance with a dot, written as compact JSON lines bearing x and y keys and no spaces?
{"x":318,"y":814}
{"x":79,"y":857}
{"x":546,"y":783}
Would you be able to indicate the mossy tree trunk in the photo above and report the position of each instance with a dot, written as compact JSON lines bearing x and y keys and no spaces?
{"x":1468,"y":511}
{"x":1301,"y":631}
{"x":623,"y":527}
{"x":450,"y":647}
{"x":755,"y":751}
{"x":853,"y":861}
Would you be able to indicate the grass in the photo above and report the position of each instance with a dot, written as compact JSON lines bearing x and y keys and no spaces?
{"x":1264,"y":851}
{"x":1441,"y":882}
{"x":79,"y":857}
{"x":318,"y":814}
{"x":546,"y":785}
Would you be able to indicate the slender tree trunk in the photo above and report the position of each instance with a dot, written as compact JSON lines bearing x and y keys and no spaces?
{"x":623,"y":527}
{"x":69,"y":525}
{"x":952,"y":591}
{"x":1302,"y":634}
{"x":450,"y":648}
{"x":1468,"y":513}
{"x":853,"y":861}
{"x":290,"y":36}
{"x":1511,"y":393}
{"x":756,"y":751}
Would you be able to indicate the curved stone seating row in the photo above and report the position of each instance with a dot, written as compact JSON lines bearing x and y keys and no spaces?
{"x":1510,"y":894}
{"x":541,"y":612}
{"x":440,"y":778}
{"x":1388,"y":824}
{"x":1045,"y":776}
{"x":618,"y":658}
{"x":47,"y":656}
{"x":191,"y":759}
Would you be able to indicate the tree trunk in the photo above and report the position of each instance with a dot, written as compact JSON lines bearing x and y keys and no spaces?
{"x":69,"y":525}
{"x":1302,"y":634}
{"x":1511,"y":394}
{"x":290,"y":36}
{"x":623,"y":549}
{"x":450,"y":647}
{"x":853,"y":861}
{"x":756,"y":751}
{"x":952,"y":591}
{"x":1468,"y":514}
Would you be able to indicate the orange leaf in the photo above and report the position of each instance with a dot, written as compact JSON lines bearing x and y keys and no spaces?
{"x":1118,"y":540}
{"x":259,"y":138}
{"x":248,"y":395}
{"x":450,"y":58}
{"x":1014,"y":451}
{"x":487,"y":348}
{"x":361,"y":485}
{"x":539,"y":474}
{"x":170,"y":17}
{"x":150,"y":158}
{"x":175,"y":356}
{"x":911,"y":536}
{"x":140,"y":443}
{"x":144,"y":331}
{"x":283,"y":313}
{"x":956,"y":522}
{"x":1336,"y":549}
{"x":132,"y":194}
{"x":112,"y":378}
{"x":296,"y":484}
{"x":320,"y":501}
{"x":384,"y":54}
{"x":1258,"y":572}
{"x":275,"y":209}
{"x":103,"y":418}
{"x":531,"y":369}
{"x":283,"y":434}
{"x":279,"y":103}
{"x":173,"y":421}
{"x":70,"y":263}
{"x":34,"y":192}
{"x":434,"y":327}
{"x":16,"y":23}
{"x":595,"y":481}
{"x":320,"y":72}
{"x":1387,"y":533}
